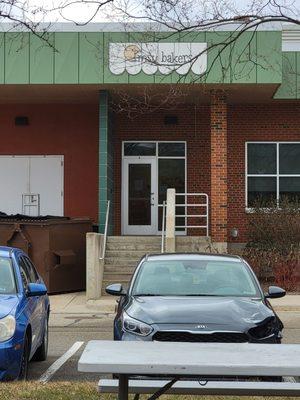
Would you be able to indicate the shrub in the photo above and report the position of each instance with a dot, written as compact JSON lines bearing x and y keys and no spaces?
{"x":273,"y":247}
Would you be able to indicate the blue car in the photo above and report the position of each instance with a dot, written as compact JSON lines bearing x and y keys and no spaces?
{"x":24,"y":314}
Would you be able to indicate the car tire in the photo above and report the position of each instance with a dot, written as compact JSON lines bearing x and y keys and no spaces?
{"x":42,"y":351}
{"x":24,"y":360}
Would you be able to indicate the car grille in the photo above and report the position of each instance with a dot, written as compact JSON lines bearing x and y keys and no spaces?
{"x":218,"y":337}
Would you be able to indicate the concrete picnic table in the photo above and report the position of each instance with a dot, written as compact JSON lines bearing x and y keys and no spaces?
{"x":182,"y":360}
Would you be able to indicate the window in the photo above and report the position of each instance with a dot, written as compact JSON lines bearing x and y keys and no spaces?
{"x":273,"y":172}
{"x":7,"y":278}
{"x":169,"y":149}
{"x":195,"y":277}
{"x":24,"y":273}
{"x":139,"y":149}
{"x":31,"y":270}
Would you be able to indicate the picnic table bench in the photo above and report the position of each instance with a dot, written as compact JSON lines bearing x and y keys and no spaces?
{"x":192,"y":368}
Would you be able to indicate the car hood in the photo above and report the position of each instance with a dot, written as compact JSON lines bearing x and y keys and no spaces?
{"x":205,"y":312}
{"x":8,"y":304}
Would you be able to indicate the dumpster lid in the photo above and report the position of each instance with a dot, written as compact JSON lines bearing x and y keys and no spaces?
{"x":30,"y":218}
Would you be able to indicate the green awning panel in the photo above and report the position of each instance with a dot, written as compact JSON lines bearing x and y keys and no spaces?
{"x":84,"y":57}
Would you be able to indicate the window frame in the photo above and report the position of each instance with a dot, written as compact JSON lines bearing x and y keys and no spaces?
{"x":278,"y":175}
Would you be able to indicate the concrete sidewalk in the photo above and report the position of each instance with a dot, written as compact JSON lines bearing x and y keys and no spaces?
{"x":72,"y":308}
{"x":290,"y":302}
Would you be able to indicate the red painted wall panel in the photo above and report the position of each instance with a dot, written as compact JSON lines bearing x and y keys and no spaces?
{"x":59,"y":129}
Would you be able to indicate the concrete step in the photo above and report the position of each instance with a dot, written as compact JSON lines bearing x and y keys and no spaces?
{"x":139,"y":239}
{"x":116,"y":277}
{"x":120,"y":269}
{"x":133,"y":254}
{"x":193,"y":249}
{"x":191,"y":244}
{"x":136,"y":246}
{"x":121,"y":261}
{"x":139,"y":243}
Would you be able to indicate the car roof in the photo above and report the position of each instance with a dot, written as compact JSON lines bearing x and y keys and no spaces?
{"x":191,"y":257}
{"x":6,"y":251}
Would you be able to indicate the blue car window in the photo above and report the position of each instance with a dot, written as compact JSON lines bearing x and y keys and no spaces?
{"x":7,"y":278}
{"x":31,"y":270}
{"x":24,"y":273}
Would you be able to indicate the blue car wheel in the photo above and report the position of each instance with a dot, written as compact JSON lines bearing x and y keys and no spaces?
{"x":24,"y":360}
{"x":42,"y":351}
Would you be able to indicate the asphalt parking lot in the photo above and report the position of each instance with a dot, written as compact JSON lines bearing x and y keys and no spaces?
{"x":86,"y":328}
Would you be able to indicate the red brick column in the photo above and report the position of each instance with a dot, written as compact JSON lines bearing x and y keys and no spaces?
{"x":218,"y":200}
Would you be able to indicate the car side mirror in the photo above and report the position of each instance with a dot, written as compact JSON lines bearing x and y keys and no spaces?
{"x":116,"y":289}
{"x":275,"y":292}
{"x":36,"y":289}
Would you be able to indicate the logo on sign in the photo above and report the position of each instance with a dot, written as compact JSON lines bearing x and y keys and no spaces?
{"x":157,"y":57}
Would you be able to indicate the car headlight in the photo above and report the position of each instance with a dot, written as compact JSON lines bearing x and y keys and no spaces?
{"x":7,"y":328}
{"x":266,"y":328}
{"x":136,"y":327}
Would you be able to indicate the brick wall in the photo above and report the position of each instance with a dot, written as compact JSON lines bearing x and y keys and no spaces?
{"x":268,"y":122}
{"x":193,"y":126}
{"x":72,"y":130}
{"x":218,"y":198}
{"x":272,"y":122}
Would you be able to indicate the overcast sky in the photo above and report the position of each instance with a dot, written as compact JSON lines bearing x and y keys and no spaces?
{"x":81,"y":13}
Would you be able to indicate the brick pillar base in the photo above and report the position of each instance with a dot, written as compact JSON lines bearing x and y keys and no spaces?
{"x":218,"y":202}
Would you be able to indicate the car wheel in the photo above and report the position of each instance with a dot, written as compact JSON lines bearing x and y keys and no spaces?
{"x":42,"y":351}
{"x":24,"y":360}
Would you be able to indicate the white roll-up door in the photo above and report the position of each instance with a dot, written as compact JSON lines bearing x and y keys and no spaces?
{"x":32,"y":185}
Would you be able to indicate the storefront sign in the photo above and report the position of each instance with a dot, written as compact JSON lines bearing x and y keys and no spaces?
{"x":157,"y":57}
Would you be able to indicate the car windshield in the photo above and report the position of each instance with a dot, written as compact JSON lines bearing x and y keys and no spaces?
{"x":7,"y":279}
{"x":195,"y":278}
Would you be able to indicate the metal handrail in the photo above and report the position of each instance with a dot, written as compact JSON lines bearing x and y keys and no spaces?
{"x":105,"y":231}
{"x":163,"y":223}
{"x":186,"y":216}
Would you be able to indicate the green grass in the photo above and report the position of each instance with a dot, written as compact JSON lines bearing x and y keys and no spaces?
{"x":82,"y":391}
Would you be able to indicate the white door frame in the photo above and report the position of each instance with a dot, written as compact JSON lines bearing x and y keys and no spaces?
{"x":139,"y":229}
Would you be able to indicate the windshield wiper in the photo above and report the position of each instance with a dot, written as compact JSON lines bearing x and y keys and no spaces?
{"x":145,"y":294}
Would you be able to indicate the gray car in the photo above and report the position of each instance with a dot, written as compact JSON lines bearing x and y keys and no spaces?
{"x":195,"y":298}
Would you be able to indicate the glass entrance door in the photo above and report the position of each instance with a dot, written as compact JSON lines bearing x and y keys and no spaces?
{"x":149,"y":168}
{"x":140,"y":198}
